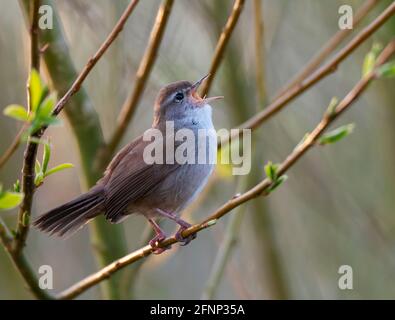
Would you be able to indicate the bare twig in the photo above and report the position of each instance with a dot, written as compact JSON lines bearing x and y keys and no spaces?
{"x":143,"y":72}
{"x":93,"y":60}
{"x":5,"y":236}
{"x":221,"y":44}
{"x":258,"y":190}
{"x":259,"y":53}
{"x":328,"y":48}
{"x":12,"y":148}
{"x":34,"y":31}
{"x":318,"y":75}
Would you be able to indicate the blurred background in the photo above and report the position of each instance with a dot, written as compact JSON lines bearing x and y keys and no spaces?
{"x":336,"y":208}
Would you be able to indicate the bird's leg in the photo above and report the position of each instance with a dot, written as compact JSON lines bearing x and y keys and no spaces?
{"x":183,"y":226}
{"x":159,"y":237}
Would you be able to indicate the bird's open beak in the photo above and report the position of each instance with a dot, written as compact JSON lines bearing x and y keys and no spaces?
{"x":196,"y":95}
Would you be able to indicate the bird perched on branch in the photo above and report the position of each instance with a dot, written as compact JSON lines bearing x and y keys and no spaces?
{"x":131,"y":184}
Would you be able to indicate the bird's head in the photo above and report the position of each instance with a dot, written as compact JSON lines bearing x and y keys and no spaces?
{"x":179,"y":99}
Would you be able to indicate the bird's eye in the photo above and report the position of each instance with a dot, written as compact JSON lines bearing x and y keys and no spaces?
{"x":178,"y":97}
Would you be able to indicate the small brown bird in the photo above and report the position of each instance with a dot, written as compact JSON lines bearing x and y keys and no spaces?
{"x":131,"y":185}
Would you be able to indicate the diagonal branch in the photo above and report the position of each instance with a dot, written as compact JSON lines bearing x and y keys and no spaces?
{"x":143,"y":72}
{"x":221,"y":44}
{"x":261,"y":189}
{"x":92,"y":61}
{"x":5,"y":236}
{"x":13,"y":147}
{"x":328,"y":47}
{"x":278,"y":104}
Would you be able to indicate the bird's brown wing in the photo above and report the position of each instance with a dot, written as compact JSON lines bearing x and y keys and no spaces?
{"x":130,"y":178}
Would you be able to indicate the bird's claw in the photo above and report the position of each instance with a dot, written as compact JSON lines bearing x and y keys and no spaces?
{"x":184,"y":241}
{"x":154,"y":243}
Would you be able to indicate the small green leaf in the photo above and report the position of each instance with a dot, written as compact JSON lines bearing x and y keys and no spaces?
{"x":387,"y":70}
{"x":36,"y":89}
{"x":16,"y":186}
{"x":17,"y":112}
{"x":38,"y":179}
{"x":46,"y":107}
{"x":277,"y":183}
{"x":51,"y":120}
{"x":33,"y":127}
{"x":25,"y":219}
{"x":46,"y":156}
{"x":271,"y":171}
{"x":39,"y":122}
{"x":37,"y":167}
{"x":337,"y":134}
{"x":370,"y":59}
{"x":59,"y":168}
{"x":9,"y":200}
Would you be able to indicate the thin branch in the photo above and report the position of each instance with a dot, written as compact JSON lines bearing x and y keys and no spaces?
{"x":34,"y":31}
{"x":221,"y":44}
{"x":12,"y":148}
{"x":259,"y":53}
{"x":259,"y":190}
{"x":5,"y":236}
{"x":143,"y":72}
{"x":27,"y":185}
{"x":328,"y":48}
{"x":318,"y":75}
{"x":93,"y":60}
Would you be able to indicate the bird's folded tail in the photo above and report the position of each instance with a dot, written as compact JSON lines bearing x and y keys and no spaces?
{"x":68,"y":218}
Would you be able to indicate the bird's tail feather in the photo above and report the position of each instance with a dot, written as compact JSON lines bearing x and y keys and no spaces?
{"x":69,"y":217}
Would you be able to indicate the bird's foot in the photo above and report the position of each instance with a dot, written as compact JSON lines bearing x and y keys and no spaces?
{"x":155,"y":241}
{"x":180,"y":238}
{"x":183,"y":226}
